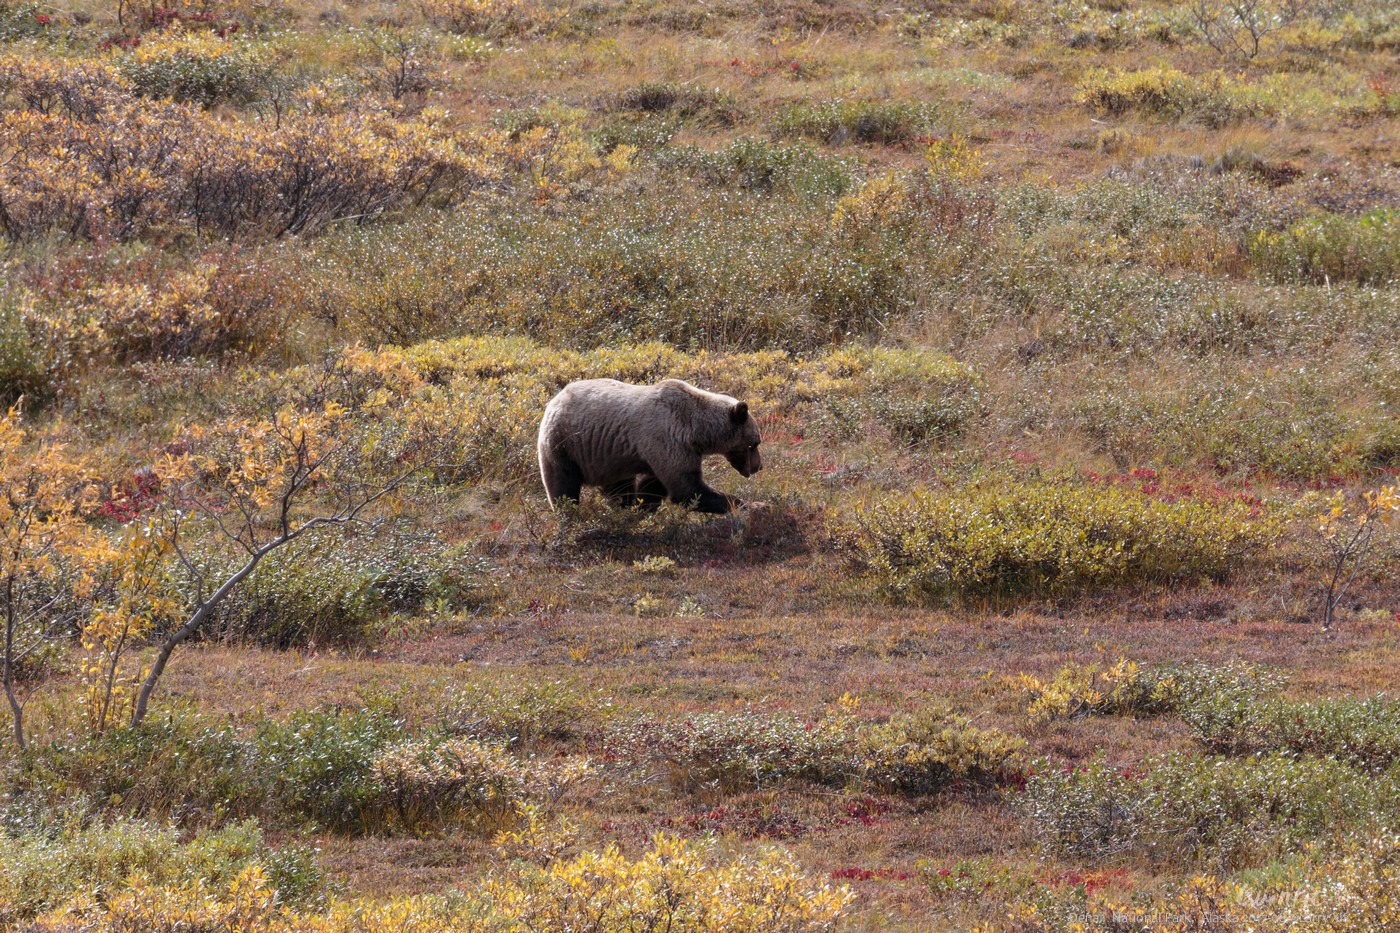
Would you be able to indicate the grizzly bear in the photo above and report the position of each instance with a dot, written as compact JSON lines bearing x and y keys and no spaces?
{"x":642,"y":444}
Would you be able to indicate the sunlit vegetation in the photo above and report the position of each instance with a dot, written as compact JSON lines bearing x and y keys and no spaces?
{"x":1066,"y":599}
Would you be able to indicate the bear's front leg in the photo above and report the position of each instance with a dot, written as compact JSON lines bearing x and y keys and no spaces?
{"x":689,"y":489}
{"x":563,"y":480}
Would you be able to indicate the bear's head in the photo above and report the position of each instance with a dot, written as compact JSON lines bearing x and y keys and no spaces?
{"x":742,"y":451}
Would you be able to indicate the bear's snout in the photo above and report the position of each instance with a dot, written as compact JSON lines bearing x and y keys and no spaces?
{"x":747,"y":462}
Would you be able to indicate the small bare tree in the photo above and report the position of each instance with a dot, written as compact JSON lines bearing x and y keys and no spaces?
{"x":1239,"y":27}
{"x":1348,"y":533}
{"x":228,"y":497}
{"x":398,"y":65}
{"x":41,"y":526}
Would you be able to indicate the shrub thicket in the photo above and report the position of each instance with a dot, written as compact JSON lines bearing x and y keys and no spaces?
{"x":917,"y":753}
{"x":685,"y":270}
{"x":437,"y":782}
{"x":674,"y":885}
{"x":85,"y":156}
{"x":862,"y":121}
{"x":520,"y":712}
{"x":1224,"y":810}
{"x":1014,"y":537}
{"x":1333,"y":248}
{"x":1214,"y":99}
{"x":82,"y":863}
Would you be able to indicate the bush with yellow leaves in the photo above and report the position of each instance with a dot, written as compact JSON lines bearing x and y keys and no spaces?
{"x":674,"y":887}
{"x":1090,"y":689}
{"x":1346,"y":539}
{"x":1213,"y":698}
{"x":73,"y":863}
{"x":1213,"y":99}
{"x":923,"y":752}
{"x":1010,"y":536}
{"x":197,"y":67}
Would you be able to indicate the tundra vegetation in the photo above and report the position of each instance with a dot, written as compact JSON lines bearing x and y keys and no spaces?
{"x":1072,"y":332}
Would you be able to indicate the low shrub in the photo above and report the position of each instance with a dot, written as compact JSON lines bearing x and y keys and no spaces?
{"x":1128,"y":689}
{"x":1302,"y":424}
{"x":1353,"y":891}
{"x":1214,"y":99}
{"x":862,"y":121}
{"x":636,"y":132}
{"x":1226,"y":810}
{"x":196,"y":67}
{"x":437,"y":782}
{"x":1079,"y":690}
{"x":734,"y":751}
{"x":351,"y":771}
{"x":487,"y":394}
{"x":914,"y":395}
{"x":1364,"y":733}
{"x":682,"y":100}
{"x":683,"y":272}
{"x":23,"y":369}
{"x":187,"y":767}
{"x":493,"y":19}
{"x":318,"y":766}
{"x":125,"y":306}
{"x":324,"y":590}
{"x":520,"y":712}
{"x":674,"y":885}
{"x":1036,"y":537}
{"x":1086,"y":812}
{"x":360,"y":771}
{"x":923,"y":752}
{"x":758,"y":165}
{"x":1112,"y":28}
{"x":916,"y":753}
{"x":85,"y":862}
{"x":1332,"y":248}
{"x":22,"y":21}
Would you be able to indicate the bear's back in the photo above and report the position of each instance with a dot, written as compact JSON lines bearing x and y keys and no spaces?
{"x":601,"y":424}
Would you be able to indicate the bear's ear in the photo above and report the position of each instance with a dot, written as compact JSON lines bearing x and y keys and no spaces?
{"x":739,"y":412}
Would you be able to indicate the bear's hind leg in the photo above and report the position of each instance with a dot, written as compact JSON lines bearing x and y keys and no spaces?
{"x":621,"y":493}
{"x":649,"y":491}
